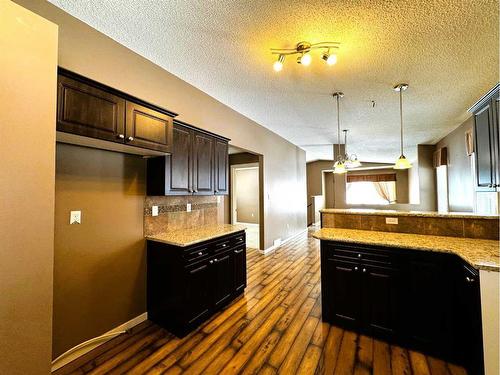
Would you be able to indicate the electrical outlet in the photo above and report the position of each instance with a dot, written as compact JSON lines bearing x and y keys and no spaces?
{"x":188,"y":207}
{"x":75,"y":217}
{"x":391,"y":220}
{"x":154,"y":210}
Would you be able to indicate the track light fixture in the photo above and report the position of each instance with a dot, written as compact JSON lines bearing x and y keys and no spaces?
{"x":303,"y":50}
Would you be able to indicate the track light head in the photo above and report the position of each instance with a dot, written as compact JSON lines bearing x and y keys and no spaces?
{"x":305,"y":59}
{"x":330,"y":59}
{"x":278,"y":64}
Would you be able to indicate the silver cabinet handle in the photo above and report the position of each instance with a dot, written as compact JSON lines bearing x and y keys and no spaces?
{"x":355,"y":268}
{"x":238,"y":251}
{"x":469,"y":279}
{"x":130,"y":139}
{"x":215,"y":260}
{"x":224,"y":245}
{"x":200,"y":253}
{"x":211,"y":262}
{"x":359,"y":255}
{"x":121,"y":136}
{"x":364,"y":269}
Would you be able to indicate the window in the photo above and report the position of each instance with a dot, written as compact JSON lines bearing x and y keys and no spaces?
{"x":371,"y":189}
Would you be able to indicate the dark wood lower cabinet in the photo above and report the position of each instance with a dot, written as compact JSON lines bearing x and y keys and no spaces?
{"x":186,"y":285}
{"x":422,"y":300}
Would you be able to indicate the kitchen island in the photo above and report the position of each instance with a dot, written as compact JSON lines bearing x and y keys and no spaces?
{"x":435,"y":293}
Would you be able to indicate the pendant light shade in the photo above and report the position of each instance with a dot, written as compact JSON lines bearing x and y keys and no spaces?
{"x":402,"y":162}
{"x":339,"y":167}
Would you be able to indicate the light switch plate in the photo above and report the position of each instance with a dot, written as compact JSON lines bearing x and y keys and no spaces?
{"x":391,"y":220}
{"x":154,"y":210}
{"x":188,"y":207}
{"x":75,"y":217}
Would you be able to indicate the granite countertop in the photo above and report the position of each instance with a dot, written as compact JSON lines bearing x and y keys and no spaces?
{"x":481,"y":254}
{"x":191,"y":236}
{"x":361,"y":211}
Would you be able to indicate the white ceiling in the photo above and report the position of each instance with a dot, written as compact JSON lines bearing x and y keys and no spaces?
{"x":447,"y":50}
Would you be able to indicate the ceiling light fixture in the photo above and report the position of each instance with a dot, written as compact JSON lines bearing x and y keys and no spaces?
{"x":402,"y":162}
{"x":339,"y":166}
{"x":303,"y":49}
{"x":351,"y":161}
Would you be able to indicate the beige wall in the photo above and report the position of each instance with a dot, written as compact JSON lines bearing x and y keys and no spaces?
{"x":90,"y":53}
{"x":28,"y":61}
{"x":460,"y":179}
{"x":247,"y":195}
{"x":99,"y":265}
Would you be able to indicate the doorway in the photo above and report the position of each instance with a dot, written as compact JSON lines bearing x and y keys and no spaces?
{"x":245,"y":201}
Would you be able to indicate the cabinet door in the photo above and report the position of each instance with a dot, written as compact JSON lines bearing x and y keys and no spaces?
{"x":223,"y":282}
{"x":85,"y":110}
{"x":428,"y":301}
{"x":381,"y":300}
{"x":240,"y":270}
{"x":344,"y":292}
{"x":197,"y":292}
{"x":203,"y":164}
{"x":467,"y":340}
{"x":179,"y":167}
{"x":221,"y":167}
{"x":484,"y":147}
{"x":148,"y":128}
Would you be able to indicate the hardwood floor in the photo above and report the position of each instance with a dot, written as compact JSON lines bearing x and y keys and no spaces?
{"x":274,"y":328}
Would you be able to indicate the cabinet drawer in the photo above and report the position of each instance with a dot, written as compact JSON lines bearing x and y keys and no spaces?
{"x":195,"y":254}
{"x":238,"y":240}
{"x":222,"y":245}
{"x":359,"y":255}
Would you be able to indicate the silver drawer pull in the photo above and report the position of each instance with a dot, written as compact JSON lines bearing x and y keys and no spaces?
{"x":238,"y":251}
{"x":224,"y":245}
{"x":200,"y":253}
{"x":469,"y":279}
{"x":211,"y":262}
{"x":355,"y":268}
{"x":364,"y":269}
{"x":359,"y":255}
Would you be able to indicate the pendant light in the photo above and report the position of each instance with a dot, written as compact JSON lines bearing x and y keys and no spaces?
{"x":339,"y":166}
{"x":402,"y":162}
{"x":351,"y":161}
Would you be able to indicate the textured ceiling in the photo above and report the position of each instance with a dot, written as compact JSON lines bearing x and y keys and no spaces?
{"x":447,"y":50}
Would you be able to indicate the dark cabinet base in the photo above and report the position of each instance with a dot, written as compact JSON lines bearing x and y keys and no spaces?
{"x":187,"y":285}
{"x":421,"y":300}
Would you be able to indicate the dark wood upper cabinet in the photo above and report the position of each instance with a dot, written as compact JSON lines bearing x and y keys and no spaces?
{"x":487,"y":141}
{"x":221,"y":167}
{"x":89,"y":111}
{"x":148,"y":128}
{"x":203,"y":163}
{"x":193,"y":167}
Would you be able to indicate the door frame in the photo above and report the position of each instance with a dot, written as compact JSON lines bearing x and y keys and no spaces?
{"x":234,"y":207}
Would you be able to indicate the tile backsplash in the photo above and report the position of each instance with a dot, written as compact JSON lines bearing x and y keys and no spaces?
{"x":173,"y":215}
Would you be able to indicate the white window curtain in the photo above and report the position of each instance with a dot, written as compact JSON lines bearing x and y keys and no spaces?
{"x":386,"y":190}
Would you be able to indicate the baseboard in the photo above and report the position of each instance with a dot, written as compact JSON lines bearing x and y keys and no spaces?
{"x":84,"y":350}
{"x":281,"y":243}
